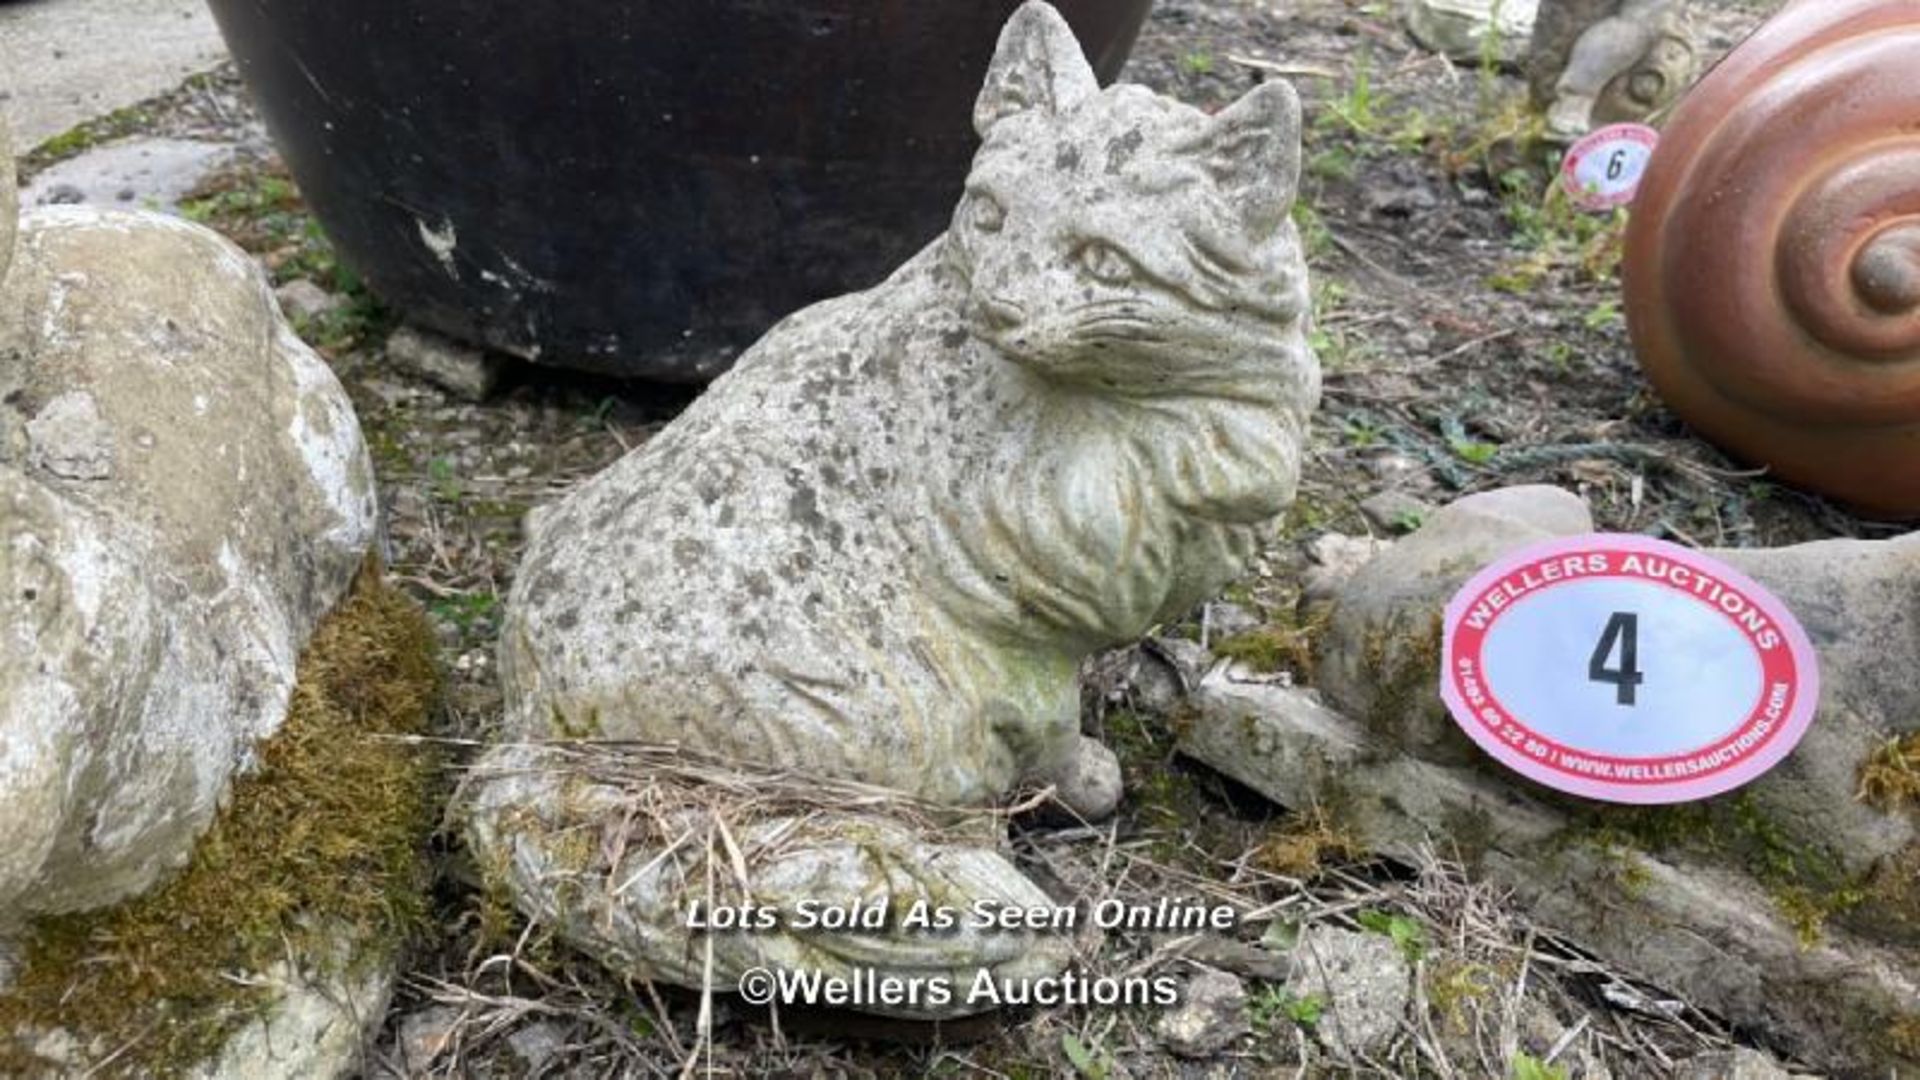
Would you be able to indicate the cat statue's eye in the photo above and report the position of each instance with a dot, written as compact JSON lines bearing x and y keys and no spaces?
{"x":985,"y":212}
{"x":1103,"y":262}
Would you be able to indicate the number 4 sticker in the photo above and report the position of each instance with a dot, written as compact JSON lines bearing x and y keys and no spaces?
{"x":1622,"y":633}
{"x":1542,"y":668}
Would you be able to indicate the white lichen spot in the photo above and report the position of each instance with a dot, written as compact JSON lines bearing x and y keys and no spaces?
{"x":527,"y":278}
{"x":441,"y":242}
{"x":53,"y":320}
{"x":332,"y":452}
{"x":69,"y":439}
{"x":89,"y":567}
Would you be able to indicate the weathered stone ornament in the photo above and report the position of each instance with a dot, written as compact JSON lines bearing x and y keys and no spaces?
{"x":876,"y":551}
{"x":1773,"y":260}
{"x":1471,"y":31}
{"x":184,"y":494}
{"x":1596,"y":62}
{"x":1791,"y":906}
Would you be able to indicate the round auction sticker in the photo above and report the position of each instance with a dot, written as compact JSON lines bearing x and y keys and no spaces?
{"x":1627,"y":669}
{"x":1603,"y":170}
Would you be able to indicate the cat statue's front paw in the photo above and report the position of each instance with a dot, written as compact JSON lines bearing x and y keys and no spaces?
{"x":753,"y":883}
{"x":1088,"y":782}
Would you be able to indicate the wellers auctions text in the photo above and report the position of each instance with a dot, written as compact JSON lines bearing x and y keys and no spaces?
{"x":924,"y":916}
{"x":865,"y":988}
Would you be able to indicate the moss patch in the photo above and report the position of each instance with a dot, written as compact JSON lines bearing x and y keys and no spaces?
{"x":1889,"y":901}
{"x":1306,"y":844}
{"x":1809,"y":885}
{"x":1903,"y":1037}
{"x":1403,"y":664}
{"x":1180,"y":812}
{"x":327,"y":833}
{"x":1453,"y":984}
{"x":1890,"y":780}
{"x":1275,"y":647}
{"x":259,"y":208}
{"x":1163,"y":797}
{"x":75,"y":141}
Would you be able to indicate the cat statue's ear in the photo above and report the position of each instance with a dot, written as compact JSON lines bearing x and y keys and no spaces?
{"x":1252,"y":150}
{"x":1037,"y":65}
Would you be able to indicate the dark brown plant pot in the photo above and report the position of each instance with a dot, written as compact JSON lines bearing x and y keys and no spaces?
{"x":626,"y":187}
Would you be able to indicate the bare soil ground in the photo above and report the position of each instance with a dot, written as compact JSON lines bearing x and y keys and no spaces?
{"x":1470,"y":331}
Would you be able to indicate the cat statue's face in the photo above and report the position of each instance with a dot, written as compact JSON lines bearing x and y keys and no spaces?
{"x":1123,"y":241}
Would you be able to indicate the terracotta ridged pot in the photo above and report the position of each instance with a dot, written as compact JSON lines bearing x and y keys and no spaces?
{"x":629,"y":187}
{"x":1773,"y":260}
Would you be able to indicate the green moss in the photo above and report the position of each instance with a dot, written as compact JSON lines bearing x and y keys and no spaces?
{"x":1471,"y":831}
{"x":1811,"y":886}
{"x":1167,"y":803}
{"x":562,"y":726}
{"x":260,"y":209}
{"x":326,"y":833}
{"x":1808,"y":883}
{"x":510,"y":509}
{"x":1127,"y":734}
{"x":1275,"y":647}
{"x":388,"y":451}
{"x":78,"y":140}
{"x":1890,"y":779}
{"x":1307,"y":843}
{"x":1887,"y":906}
{"x":131,"y":120}
{"x":1304,"y":517}
{"x":467,"y":611}
{"x":1903,"y":1037}
{"x":1403,"y":664}
{"x":1453,"y":984}
{"x":1618,"y":859}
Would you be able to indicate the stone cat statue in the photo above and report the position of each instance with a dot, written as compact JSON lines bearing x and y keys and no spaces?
{"x":877,"y":550}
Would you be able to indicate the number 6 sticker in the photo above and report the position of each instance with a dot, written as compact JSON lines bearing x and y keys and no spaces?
{"x":1603,"y":170}
{"x":1627,"y":669}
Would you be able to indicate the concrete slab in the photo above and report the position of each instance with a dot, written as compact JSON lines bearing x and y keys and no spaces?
{"x":66,"y":61}
{"x":139,"y":173}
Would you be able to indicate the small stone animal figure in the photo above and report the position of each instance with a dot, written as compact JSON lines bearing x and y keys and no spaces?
{"x":1597,"y":62}
{"x":878,"y":549}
